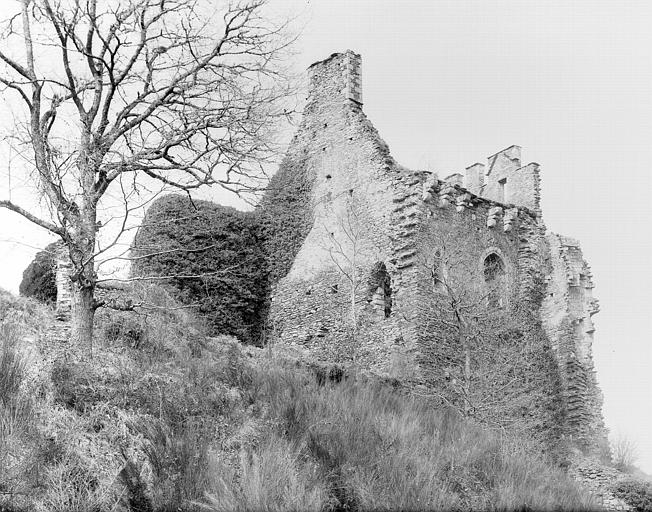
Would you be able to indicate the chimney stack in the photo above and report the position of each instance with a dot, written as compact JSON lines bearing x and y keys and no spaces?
{"x":337,"y":78}
{"x":353,"y":73}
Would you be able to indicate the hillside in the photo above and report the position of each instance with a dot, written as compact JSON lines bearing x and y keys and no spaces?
{"x":161,"y":417}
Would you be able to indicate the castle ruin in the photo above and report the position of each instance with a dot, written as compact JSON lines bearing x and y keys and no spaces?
{"x":376,"y":260}
{"x":387,"y":246}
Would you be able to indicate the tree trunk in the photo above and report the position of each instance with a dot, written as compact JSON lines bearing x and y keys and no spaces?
{"x":83,"y":246}
{"x":82,"y":314}
{"x":467,"y":380}
{"x":354,"y":323}
{"x":464,"y":342}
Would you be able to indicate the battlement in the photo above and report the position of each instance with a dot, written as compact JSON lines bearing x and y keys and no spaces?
{"x":474,"y":177}
{"x":505,"y":180}
{"x":449,"y":192}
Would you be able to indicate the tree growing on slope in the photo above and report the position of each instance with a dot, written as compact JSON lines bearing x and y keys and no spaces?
{"x":116,"y":94}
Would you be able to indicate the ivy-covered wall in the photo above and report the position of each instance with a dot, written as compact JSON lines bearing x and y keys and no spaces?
{"x":39,"y":279}
{"x":211,"y":256}
{"x":284,"y":214}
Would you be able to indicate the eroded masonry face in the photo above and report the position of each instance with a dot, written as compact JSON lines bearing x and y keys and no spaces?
{"x":388,"y":247}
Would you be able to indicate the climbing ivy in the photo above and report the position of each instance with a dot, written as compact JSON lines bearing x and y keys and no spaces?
{"x":213,"y":257}
{"x":39,"y":280}
{"x":285,"y":215}
{"x":225,"y":260}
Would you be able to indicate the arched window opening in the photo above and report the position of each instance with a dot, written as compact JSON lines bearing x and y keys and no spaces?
{"x":494,"y":277}
{"x":438,"y":273}
{"x":379,"y":291}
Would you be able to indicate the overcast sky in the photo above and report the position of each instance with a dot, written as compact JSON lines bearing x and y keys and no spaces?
{"x":448,"y":83}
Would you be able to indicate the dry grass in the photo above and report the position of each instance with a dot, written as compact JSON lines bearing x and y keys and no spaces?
{"x":16,"y":413}
{"x":276,"y":477}
{"x":360,"y":446}
{"x":148,"y":424}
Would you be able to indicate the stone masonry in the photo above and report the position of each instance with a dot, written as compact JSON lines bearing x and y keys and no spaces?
{"x":361,"y":286}
{"x":64,"y":285}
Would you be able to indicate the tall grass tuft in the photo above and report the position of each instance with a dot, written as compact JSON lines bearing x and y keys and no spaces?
{"x":12,"y":363}
{"x":277,"y":477}
{"x":15,"y":418}
{"x":178,"y":459}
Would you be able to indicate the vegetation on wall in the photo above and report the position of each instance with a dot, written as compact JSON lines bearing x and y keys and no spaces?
{"x":212,"y":257}
{"x":225,"y":260}
{"x":285,"y":214}
{"x":512,"y":379}
{"x":39,"y":281}
{"x":481,"y":351}
{"x":636,"y":493}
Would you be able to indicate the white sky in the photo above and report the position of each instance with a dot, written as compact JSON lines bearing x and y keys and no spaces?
{"x":448,"y":83}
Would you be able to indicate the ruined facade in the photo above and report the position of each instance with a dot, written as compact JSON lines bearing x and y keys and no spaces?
{"x":387,"y":247}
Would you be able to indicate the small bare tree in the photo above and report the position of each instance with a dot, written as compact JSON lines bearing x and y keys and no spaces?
{"x":345,"y":248}
{"x":623,"y":453}
{"x":118,"y":92}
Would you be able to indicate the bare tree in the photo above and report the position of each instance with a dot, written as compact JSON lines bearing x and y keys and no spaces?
{"x":623,"y":453}
{"x":460,"y":304}
{"x":476,"y":345}
{"x":113,"y":92}
{"x":345,"y":248}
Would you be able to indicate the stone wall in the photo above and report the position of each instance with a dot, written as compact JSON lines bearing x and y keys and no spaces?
{"x":599,"y":479}
{"x":64,"y":285}
{"x":505,"y":180}
{"x":353,"y":186}
{"x":566,"y":314}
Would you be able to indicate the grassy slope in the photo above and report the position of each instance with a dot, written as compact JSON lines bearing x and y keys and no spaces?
{"x":163,"y":418}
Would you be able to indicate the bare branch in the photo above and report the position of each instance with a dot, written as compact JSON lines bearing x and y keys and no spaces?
{"x":32,"y":218}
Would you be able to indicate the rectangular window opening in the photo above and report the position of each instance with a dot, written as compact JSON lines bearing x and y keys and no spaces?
{"x":501,"y":192}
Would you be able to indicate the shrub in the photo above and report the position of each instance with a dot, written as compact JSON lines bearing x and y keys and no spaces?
{"x":136,"y":489}
{"x":160,"y":327}
{"x":635,"y":493}
{"x":39,"y":278}
{"x":74,"y":385}
{"x":124,"y":328}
